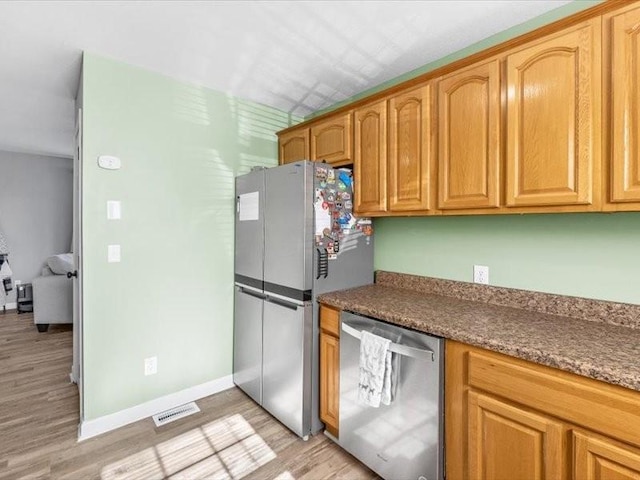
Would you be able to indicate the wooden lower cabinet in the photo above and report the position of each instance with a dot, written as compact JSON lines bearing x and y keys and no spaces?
{"x":507,"y":441}
{"x":329,"y":381}
{"x":329,"y":368}
{"x":601,"y":458}
{"x":510,"y":419}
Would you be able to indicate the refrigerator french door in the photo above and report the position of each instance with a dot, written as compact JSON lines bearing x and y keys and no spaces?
{"x":284,"y":259}
{"x":249,"y":296}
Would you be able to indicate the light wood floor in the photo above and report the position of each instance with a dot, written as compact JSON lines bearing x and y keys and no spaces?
{"x":230,"y":438}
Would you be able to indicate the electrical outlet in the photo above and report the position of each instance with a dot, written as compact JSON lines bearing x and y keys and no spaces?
{"x":113,"y":210}
{"x":151,"y":366}
{"x":481,"y":274}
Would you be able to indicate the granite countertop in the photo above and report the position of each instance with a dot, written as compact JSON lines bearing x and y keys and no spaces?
{"x":595,"y":349}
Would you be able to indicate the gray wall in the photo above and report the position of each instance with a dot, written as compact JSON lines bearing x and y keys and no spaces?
{"x":36,"y":210}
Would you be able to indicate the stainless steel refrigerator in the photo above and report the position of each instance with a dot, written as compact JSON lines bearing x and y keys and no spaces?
{"x":295,"y":238}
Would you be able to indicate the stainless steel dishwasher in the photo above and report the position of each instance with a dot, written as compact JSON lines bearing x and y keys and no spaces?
{"x":403,"y":440}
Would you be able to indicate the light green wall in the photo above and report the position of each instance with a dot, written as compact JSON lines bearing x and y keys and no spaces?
{"x":588,"y":255}
{"x":549,"y":17}
{"x":181,"y":146}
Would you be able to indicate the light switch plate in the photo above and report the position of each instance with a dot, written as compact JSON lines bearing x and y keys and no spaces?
{"x":151,"y":366}
{"x":113,"y":210}
{"x":113,"y":253}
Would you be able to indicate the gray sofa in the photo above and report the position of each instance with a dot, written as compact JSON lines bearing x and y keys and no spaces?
{"x":53,"y":295}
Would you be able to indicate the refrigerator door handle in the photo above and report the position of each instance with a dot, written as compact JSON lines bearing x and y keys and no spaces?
{"x":282,"y":303}
{"x":252,"y":293}
{"x":323,"y":263}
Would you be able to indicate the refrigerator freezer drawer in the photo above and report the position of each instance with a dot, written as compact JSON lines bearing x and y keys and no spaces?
{"x":247,"y":342}
{"x":287,"y":363}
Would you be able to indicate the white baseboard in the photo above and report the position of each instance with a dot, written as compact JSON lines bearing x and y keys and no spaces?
{"x":97,"y":426}
{"x":11,"y":306}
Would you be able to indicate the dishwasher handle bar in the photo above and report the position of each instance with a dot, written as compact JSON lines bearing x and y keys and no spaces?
{"x":419,"y":353}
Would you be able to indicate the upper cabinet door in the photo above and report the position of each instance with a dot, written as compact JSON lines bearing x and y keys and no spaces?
{"x":294,"y":146}
{"x":409,"y":150}
{"x":625,"y":105}
{"x":469,"y":138}
{"x":370,"y":159}
{"x":331,"y":140}
{"x":553,"y":117}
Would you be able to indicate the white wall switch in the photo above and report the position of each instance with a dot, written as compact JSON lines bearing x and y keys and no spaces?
{"x":151,"y":366}
{"x":113,"y":210}
{"x":113,"y":253}
{"x":481,"y":274}
{"x":109,"y":162}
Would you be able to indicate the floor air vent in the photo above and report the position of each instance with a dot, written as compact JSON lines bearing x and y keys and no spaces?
{"x":172,"y":414}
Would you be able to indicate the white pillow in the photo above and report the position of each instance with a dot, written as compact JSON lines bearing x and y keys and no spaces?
{"x":61,"y":264}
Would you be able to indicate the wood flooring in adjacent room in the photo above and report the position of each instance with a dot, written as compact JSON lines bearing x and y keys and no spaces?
{"x":230,"y":438}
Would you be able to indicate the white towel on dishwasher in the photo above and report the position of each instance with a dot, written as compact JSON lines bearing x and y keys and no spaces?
{"x":375,"y":375}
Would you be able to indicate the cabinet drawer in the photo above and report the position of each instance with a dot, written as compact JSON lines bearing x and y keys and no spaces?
{"x":602,"y":407}
{"x":330,"y":320}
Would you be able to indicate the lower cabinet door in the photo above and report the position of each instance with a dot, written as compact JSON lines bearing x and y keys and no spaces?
{"x":599,"y":458}
{"x":329,"y":382}
{"x":508,"y":442}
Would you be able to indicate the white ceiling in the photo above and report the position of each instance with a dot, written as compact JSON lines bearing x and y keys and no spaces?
{"x":296,"y":56}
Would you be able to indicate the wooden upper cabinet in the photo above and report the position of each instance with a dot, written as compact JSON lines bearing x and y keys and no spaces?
{"x":469,"y":138}
{"x":294,"y":146}
{"x":409,"y":150}
{"x":625,"y":105}
{"x":331,"y":140}
{"x":370,"y":158}
{"x":599,"y":458}
{"x":553,"y":118}
{"x":506,"y":441}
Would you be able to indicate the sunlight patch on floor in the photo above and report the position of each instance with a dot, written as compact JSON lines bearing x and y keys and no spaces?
{"x":285,"y":476}
{"x":228,"y":448}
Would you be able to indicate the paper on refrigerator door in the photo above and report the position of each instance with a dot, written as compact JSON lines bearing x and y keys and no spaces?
{"x":249,"y":206}
{"x":323,"y":217}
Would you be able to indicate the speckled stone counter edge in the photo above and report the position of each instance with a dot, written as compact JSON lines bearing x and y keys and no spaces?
{"x":621,"y":314}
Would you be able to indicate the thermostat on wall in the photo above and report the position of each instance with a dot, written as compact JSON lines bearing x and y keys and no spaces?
{"x":109,"y":162}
